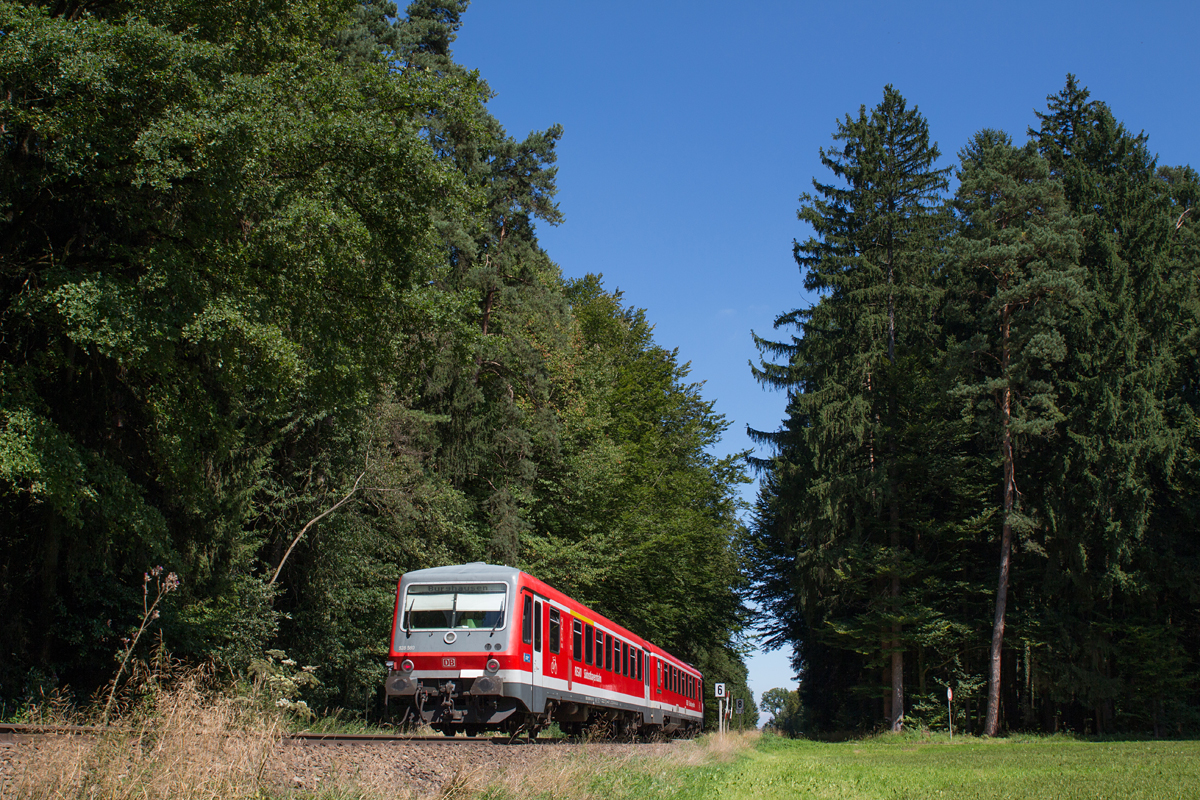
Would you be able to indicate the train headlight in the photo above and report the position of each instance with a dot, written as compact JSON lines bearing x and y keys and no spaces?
{"x":492,"y":665}
{"x":406,"y":665}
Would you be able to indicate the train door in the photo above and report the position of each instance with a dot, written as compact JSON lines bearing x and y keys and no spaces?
{"x":533,"y":632}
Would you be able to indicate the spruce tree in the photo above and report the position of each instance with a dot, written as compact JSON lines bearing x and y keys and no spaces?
{"x":847,"y":374}
{"x":1126,"y":364}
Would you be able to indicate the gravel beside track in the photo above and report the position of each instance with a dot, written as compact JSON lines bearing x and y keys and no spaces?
{"x":427,"y":768}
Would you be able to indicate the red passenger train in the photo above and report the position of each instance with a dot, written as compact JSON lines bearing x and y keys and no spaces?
{"x":482,"y":647}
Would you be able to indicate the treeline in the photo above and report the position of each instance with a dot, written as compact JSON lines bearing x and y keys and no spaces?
{"x":275,"y":317}
{"x":987,"y":476}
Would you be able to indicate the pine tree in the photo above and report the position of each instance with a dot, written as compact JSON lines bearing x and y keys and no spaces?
{"x":1014,"y":281}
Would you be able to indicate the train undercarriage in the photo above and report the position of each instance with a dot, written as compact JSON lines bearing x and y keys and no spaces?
{"x":475,"y":706}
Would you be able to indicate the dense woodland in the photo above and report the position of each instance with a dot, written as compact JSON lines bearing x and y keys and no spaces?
{"x":273,"y":316}
{"x":986,"y":479}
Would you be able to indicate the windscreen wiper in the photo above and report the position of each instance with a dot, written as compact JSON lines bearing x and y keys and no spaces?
{"x":499,"y":618}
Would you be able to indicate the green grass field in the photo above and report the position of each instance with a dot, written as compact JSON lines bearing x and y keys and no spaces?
{"x":912,"y":767}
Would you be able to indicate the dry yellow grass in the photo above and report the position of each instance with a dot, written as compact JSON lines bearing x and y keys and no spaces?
{"x":192,"y":748}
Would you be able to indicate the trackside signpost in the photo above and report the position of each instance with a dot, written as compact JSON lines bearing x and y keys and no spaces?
{"x":719,"y":691}
{"x":950,"y":710}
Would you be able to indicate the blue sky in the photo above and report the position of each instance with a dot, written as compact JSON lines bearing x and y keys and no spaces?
{"x":691,"y":129}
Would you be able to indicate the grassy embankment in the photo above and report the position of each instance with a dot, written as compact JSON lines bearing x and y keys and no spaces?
{"x":932,"y":767}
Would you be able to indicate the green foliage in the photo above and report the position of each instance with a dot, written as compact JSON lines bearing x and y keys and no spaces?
{"x":786,"y":710}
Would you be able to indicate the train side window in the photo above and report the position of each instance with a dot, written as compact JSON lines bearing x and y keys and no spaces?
{"x":608,"y":651}
{"x":555,"y":630}
{"x":527,"y":620}
{"x":616,"y":651}
{"x":537,"y":626}
{"x":599,"y":648}
{"x":625,"y":659}
{"x":577,"y":643}
{"x":589,"y":643}
{"x":658,"y":665}
{"x":639,"y":664}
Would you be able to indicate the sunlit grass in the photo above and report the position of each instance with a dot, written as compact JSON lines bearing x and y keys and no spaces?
{"x":1051,"y":767}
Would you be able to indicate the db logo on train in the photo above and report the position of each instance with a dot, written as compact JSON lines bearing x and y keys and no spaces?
{"x":448,"y":662}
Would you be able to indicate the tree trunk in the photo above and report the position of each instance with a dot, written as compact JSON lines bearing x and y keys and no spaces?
{"x":992,"y":724}
{"x":897,"y":720}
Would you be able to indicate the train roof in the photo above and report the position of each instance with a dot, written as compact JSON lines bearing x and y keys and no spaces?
{"x":477,"y":570}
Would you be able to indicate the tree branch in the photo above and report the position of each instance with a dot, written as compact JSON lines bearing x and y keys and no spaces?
{"x":312,"y":522}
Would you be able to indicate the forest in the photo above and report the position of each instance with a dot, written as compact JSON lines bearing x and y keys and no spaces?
{"x":985,"y":483}
{"x":275,"y":328}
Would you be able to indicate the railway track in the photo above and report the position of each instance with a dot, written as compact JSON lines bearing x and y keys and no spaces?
{"x":15,"y":733}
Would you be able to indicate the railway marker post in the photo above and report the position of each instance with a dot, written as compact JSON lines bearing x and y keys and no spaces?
{"x":719,"y":691}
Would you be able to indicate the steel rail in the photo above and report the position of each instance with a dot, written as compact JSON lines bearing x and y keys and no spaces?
{"x":21,"y":732}
{"x":354,"y":738}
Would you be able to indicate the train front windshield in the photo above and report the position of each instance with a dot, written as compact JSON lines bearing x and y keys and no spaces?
{"x":443,"y":607}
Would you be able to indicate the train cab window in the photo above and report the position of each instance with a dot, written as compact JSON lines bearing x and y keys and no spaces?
{"x":527,"y":620}
{"x":589,"y":643}
{"x":438,"y":606}
{"x":537,"y":626}
{"x":577,"y":640}
{"x":555,"y":630}
{"x":608,"y":651}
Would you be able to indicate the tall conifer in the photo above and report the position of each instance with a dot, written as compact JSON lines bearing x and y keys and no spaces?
{"x":846,"y":374}
{"x":1014,"y":280}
